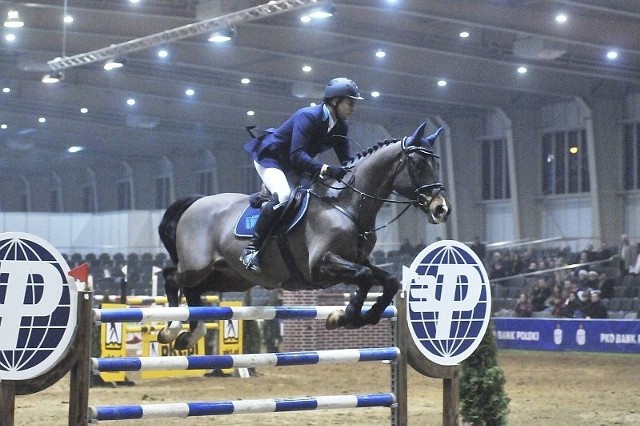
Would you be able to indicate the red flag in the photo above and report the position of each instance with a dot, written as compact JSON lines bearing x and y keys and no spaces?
{"x":80,"y":273}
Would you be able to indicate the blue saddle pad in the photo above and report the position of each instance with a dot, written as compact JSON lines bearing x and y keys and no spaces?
{"x":247,"y":220}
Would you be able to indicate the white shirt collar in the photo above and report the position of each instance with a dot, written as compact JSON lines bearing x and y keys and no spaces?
{"x":326,"y":115}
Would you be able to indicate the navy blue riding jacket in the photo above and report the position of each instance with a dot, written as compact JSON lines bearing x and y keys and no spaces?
{"x":293,"y":145}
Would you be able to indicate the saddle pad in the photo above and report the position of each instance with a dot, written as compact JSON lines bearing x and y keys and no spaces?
{"x":247,"y":220}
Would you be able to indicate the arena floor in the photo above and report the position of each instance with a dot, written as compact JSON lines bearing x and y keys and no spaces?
{"x":545,"y":389}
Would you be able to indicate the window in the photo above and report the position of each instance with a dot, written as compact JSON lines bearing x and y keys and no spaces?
{"x":251,"y":182}
{"x":631,"y":152}
{"x":205,"y":183}
{"x":55,"y":201}
{"x":124,"y":195}
{"x":163,"y":192}
{"x":565,"y":162}
{"x":495,"y":170}
{"x":89,"y":204}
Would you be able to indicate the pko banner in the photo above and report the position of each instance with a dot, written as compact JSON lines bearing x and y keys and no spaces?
{"x":560,"y":334}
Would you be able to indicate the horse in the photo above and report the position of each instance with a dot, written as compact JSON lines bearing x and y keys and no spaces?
{"x":329,"y":245}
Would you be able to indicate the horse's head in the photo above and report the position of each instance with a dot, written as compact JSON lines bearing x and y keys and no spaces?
{"x":417,"y":176}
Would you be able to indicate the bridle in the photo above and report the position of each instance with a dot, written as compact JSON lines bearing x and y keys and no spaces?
{"x":423,"y":194}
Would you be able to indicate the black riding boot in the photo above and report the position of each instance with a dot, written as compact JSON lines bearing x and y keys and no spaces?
{"x":261,"y":229}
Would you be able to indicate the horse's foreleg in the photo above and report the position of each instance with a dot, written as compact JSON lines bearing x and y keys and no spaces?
{"x":335,"y":268}
{"x":390,"y":286}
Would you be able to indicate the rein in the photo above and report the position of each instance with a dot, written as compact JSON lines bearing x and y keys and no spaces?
{"x":420,"y":199}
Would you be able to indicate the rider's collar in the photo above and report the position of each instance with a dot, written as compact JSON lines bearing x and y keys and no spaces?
{"x":326,"y":115}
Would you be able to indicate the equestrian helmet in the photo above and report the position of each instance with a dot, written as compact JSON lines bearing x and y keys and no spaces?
{"x":342,"y":87}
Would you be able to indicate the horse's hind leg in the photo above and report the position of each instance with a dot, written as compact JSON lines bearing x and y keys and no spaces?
{"x":197,"y":329}
{"x":169,"y":333}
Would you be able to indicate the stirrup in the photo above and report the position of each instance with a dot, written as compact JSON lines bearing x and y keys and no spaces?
{"x":249,"y":259}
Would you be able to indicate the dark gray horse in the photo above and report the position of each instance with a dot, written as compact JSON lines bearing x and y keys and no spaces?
{"x":330,"y":245}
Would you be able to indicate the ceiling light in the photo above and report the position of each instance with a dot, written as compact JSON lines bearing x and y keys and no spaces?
{"x":53,"y":77}
{"x":134,"y":1}
{"x":68,"y":19}
{"x":3,"y":126}
{"x":305,"y":18}
{"x":74,"y":149}
{"x":84,"y":110}
{"x":10,"y":37}
{"x":6,"y":90}
{"x":113,"y":64}
{"x":245,"y":81}
{"x":222,"y":36}
{"x":464,"y":34}
{"x":13,"y":20}
{"x":42,"y":120}
{"x":313,"y":104}
{"x":189,"y":92}
{"x":442,"y":83}
{"x":251,"y":113}
{"x":612,"y":54}
{"x":306,"y":68}
{"x":561,"y":18}
{"x":322,"y":12}
{"x":375,"y":94}
{"x":131,"y":102}
{"x":380,"y":53}
{"x":522,"y":70}
{"x":162,"y":53}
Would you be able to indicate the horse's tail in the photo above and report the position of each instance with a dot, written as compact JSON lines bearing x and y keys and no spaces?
{"x":169,"y":224}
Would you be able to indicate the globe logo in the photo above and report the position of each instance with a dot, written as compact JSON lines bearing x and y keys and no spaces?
{"x":38,"y":306}
{"x":449,"y":301}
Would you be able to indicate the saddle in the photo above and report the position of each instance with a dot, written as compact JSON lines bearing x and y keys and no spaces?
{"x":290,"y":215}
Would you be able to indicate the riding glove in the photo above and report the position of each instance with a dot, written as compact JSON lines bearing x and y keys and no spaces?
{"x":336,"y":172}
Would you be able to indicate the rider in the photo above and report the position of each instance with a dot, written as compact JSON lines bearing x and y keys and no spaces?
{"x":292,"y":148}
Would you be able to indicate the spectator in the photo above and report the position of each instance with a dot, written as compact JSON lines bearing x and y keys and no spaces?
{"x":406,"y":248}
{"x":479,"y":248}
{"x":593,"y":281}
{"x":584,"y":300}
{"x":559,"y":307}
{"x":583,"y":279}
{"x":572,"y":305}
{"x":523,"y":307}
{"x":539,"y":295}
{"x":596,"y":309}
{"x":628,"y":254}
{"x":607,"y":286}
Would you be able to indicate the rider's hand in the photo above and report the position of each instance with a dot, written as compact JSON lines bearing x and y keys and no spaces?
{"x":336,"y":172}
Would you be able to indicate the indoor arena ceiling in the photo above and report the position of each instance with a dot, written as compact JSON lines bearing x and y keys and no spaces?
{"x":422,"y":40}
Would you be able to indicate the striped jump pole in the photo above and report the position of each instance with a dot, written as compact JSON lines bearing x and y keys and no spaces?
{"x":209,"y":362}
{"x":190,"y":409}
{"x":148,"y":300}
{"x":202,"y":313}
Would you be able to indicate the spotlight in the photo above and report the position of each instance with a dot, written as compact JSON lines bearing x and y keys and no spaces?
{"x":222,"y":36}
{"x":13,"y":20}
{"x":113,"y":64}
{"x":53,"y":77}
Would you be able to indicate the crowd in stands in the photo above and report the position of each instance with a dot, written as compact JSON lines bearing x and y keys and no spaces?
{"x":559,"y":283}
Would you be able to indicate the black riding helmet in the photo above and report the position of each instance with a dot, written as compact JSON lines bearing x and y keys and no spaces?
{"x":343,"y":87}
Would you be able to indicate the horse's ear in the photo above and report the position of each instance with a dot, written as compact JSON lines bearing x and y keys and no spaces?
{"x":416,"y":137}
{"x":431,"y":139}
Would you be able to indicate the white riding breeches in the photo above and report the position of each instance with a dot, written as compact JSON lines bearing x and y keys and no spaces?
{"x":275,"y":180}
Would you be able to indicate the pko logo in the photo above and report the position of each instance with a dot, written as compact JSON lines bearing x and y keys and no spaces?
{"x":38,"y":306}
{"x":448,"y":301}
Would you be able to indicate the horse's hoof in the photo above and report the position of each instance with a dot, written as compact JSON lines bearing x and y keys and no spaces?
{"x":335,"y":320}
{"x":163,"y":336}
{"x":182,"y":342}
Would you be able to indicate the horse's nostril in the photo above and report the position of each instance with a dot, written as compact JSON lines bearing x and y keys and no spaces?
{"x":440,"y":211}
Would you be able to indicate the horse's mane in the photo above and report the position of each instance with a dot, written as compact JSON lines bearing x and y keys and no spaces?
{"x":365,"y":152}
